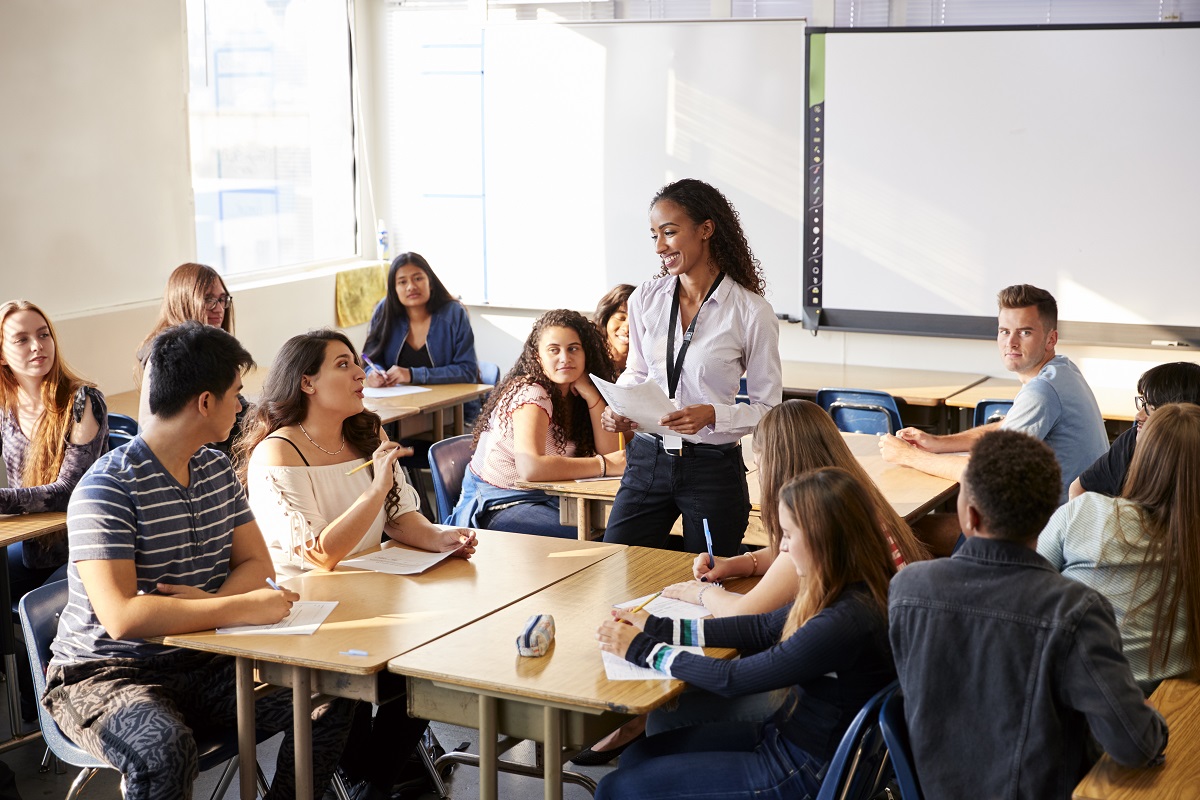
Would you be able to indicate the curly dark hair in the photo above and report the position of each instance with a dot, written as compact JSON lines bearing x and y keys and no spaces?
{"x":729,"y":249}
{"x":1014,"y":481}
{"x":284,"y":403}
{"x":570,"y":421}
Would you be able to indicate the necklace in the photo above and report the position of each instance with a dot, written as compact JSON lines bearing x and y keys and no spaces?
{"x":322,"y":449}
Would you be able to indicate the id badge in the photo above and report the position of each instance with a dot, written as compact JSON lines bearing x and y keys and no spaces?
{"x":672,"y":442}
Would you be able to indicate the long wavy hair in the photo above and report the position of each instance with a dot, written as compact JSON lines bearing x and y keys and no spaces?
{"x":728,"y":247}
{"x":613,"y":301}
{"x":183,"y":300}
{"x":845,"y":542}
{"x":1164,"y":484}
{"x":570,"y":420}
{"x":283,"y":402}
{"x":48,"y":441}
{"x":797,"y":436}
{"x":393,"y":309}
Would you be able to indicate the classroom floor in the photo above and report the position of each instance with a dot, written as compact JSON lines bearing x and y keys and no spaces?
{"x":463,"y":783}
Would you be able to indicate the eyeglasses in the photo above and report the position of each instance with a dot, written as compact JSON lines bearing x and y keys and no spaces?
{"x":1140,"y":404}
{"x":223,"y":300}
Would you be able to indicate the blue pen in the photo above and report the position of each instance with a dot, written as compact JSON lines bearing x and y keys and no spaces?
{"x":278,"y":588}
{"x":372,"y":366}
{"x":712,"y":562}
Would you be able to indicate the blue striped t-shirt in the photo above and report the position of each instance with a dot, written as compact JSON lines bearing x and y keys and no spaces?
{"x":128,"y":506}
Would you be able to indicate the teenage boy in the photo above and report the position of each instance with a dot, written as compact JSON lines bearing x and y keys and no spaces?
{"x":1055,"y":403}
{"x":162,"y":542}
{"x":1177,"y":382}
{"x":1005,"y":664}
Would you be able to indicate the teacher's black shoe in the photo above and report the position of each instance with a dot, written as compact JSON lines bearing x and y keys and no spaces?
{"x":595,"y":758}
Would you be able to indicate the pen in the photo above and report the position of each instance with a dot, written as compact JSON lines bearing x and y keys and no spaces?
{"x":352,"y":652}
{"x":271,"y":582}
{"x":373,"y":367}
{"x":712,"y":562}
{"x":649,"y":600}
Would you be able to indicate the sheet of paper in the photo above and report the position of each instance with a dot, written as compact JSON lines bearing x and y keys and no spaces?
{"x":398,"y":561}
{"x":303,"y":620}
{"x":618,"y":669}
{"x":668,"y":607}
{"x":392,"y":391}
{"x":644,"y":403}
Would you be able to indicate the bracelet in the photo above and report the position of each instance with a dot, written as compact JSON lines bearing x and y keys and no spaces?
{"x":700,"y":597}
{"x":603,"y":466}
{"x":593,"y":405}
{"x":754,"y":559}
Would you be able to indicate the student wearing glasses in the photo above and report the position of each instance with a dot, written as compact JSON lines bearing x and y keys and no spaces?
{"x":194,"y":292}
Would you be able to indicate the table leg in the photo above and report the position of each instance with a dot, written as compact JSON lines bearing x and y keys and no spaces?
{"x":302,"y":726}
{"x":552,"y":753}
{"x":439,"y":425}
{"x":488,"y":757}
{"x":459,"y":420}
{"x":247,"y":746}
{"x":584,"y":521}
{"x":8,"y":644}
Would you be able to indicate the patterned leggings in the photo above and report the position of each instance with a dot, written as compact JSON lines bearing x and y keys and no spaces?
{"x":138,"y":715}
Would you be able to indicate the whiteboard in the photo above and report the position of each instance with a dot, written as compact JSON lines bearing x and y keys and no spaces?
{"x":580,"y":125}
{"x":958,"y":162}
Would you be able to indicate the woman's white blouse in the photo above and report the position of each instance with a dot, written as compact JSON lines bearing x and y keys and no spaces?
{"x":294,"y":504}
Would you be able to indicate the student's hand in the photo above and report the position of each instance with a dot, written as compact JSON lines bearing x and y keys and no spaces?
{"x":461,"y":540}
{"x":398,"y":376}
{"x":687,"y":591}
{"x":635,"y":618}
{"x":614,"y":463}
{"x":615,"y":636}
{"x":587,"y":390}
{"x":894,"y":449}
{"x":916,"y":437}
{"x":615,"y":423}
{"x":267,"y":606}
{"x":384,"y":459}
{"x":690,"y":419}
{"x":181,"y":591}
{"x":376,"y":379}
{"x":720,"y":571}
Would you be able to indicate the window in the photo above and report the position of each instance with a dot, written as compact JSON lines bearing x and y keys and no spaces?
{"x":272,"y":140}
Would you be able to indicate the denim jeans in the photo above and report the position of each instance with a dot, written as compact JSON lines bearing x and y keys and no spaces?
{"x":539,"y":519}
{"x":657,"y":487}
{"x":750,"y":760}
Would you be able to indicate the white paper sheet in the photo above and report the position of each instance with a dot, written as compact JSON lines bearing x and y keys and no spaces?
{"x":618,"y":669}
{"x":392,"y":391}
{"x":668,"y":607}
{"x":398,"y":561}
{"x":303,"y":620}
{"x":644,"y":403}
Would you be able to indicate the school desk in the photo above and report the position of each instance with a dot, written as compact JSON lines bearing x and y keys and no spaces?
{"x":473,"y":677}
{"x":13,"y":529}
{"x":1116,"y":405}
{"x":911,"y":492}
{"x":1179,"y":775}
{"x":383,"y":615}
{"x":433,"y":405}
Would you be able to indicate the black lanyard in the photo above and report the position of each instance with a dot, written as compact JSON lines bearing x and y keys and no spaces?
{"x":675,"y":368}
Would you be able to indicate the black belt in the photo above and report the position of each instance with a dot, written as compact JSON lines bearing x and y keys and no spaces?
{"x":690,"y":449}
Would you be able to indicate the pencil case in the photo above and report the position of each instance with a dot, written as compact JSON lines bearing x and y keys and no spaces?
{"x":537,"y":636}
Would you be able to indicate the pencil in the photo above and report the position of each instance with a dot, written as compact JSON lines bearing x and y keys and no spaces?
{"x":360,"y":467}
{"x":649,"y":600}
{"x":621,"y":441}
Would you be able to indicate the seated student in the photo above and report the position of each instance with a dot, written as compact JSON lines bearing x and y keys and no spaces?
{"x":1178,"y":382}
{"x":612,"y":318}
{"x":302,"y":440}
{"x":540,"y":423}
{"x":1006,"y":665}
{"x":419,"y":333}
{"x":1142,"y":550}
{"x":1055,"y":403}
{"x":163,"y":542}
{"x":198,"y":293}
{"x":829,"y":648}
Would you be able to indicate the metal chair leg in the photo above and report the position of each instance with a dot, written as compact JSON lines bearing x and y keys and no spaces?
{"x":425,"y":748}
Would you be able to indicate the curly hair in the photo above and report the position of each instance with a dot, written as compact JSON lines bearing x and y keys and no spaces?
{"x":1014,"y":481}
{"x":570,"y":420}
{"x":728,"y":247}
{"x":284,"y":403}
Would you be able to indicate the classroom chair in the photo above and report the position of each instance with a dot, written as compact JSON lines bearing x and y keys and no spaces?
{"x":988,"y":411}
{"x":743,"y":395}
{"x":895,"y":736}
{"x":448,"y":461}
{"x":859,"y":769}
{"x":489,"y":372}
{"x":122,"y":423}
{"x":39,"y":611}
{"x":117,"y":439}
{"x":861,"y":410}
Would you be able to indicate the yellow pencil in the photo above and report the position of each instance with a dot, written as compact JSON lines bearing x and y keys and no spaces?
{"x":649,"y":600}
{"x":621,"y":440}
{"x":360,"y":467}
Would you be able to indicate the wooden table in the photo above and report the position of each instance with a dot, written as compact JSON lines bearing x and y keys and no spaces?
{"x":13,"y":529}
{"x":474,"y":677}
{"x":1115,"y":404}
{"x":1178,"y":778}
{"x":911,"y":492}
{"x":384,"y":615}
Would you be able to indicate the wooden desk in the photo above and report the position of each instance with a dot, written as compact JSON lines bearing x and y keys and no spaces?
{"x":433,"y":405}
{"x":911,"y":492}
{"x":1179,"y":777}
{"x":384,"y":615}
{"x":13,"y":529}
{"x":1115,"y":404}
{"x":917,"y":387}
{"x":474,"y":677}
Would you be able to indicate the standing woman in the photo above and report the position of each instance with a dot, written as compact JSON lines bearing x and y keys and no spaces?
{"x":612,"y":318}
{"x":695,"y":330}
{"x":194,"y":292}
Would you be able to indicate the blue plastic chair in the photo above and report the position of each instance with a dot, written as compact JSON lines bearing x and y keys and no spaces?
{"x":859,"y":769}
{"x":448,"y":461}
{"x":118,"y":439}
{"x":988,"y":411}
{"x":895,"y":735}
{"x":39,"y":611}
{"x":861,"y":410}
{"x":743,"y":395}
{"x":489,"y":372}
{"x":123,"y":423}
